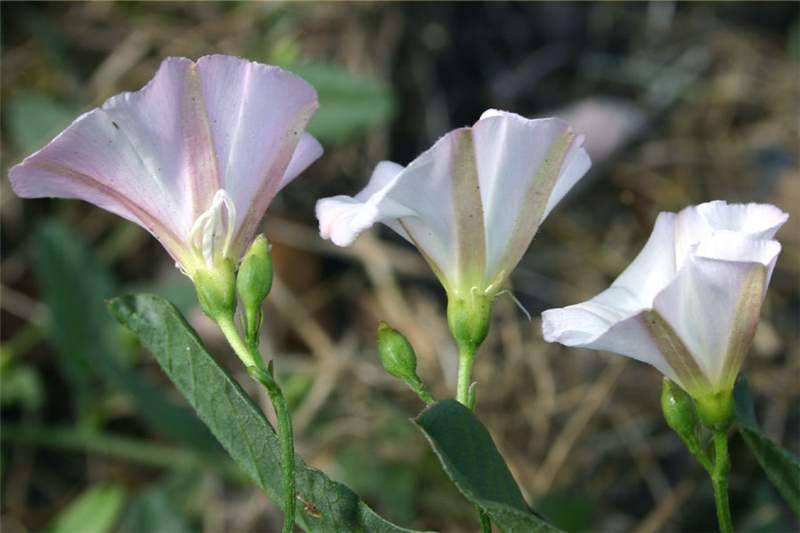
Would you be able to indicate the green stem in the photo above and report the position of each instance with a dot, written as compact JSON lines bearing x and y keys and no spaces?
{"x":719,"y":479}
{"x":421,"y":391}
{"x":248,"y":353}
{"x":249,"y":357}
{"x":486,"y":522}
{"x":466,"y":356}
{"x":287,"y":453}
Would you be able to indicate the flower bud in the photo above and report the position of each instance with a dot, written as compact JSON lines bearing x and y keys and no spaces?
{"x":468,"y":318}
{"x":716,"y":410}
{"x":397,"y":355}
{"x":216,"y":289}
{"x":679,"y":412}
{"x":253,"y":283}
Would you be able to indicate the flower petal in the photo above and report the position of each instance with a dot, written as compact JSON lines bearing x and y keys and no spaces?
{"x":94,"y":161}
{"x":257,"y":114}
{"x":714,"y":302}
{"x":146,"y":156}
{"x":343,"y":218}
{"x":697,"y":223}
{"x":758,"y":221}
{"x":525,"y":167}
{"x":611,"y":321}
{"x":167,"y":125}
{"x":308,"y":150}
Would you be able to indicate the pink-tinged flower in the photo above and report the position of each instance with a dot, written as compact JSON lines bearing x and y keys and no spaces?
{"x":690,"y":301}
{"x":195,"y":157}
{"x":472,"y":203}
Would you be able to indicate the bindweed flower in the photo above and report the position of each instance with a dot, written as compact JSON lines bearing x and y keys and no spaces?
{"x":471,"y":205}
{"x":690,"y":301}
{"x":195,"y":157}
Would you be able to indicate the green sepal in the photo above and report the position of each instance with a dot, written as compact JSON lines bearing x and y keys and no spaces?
{"x":216,"y":289}
{"x":468,"y":318}
{"x":716,"y":410}
{"x":680,"y":413}
{"x":396,"y":353}
{"x":253,"y":283}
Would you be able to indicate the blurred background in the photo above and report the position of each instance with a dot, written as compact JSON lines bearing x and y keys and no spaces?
{"x":681,"y":103}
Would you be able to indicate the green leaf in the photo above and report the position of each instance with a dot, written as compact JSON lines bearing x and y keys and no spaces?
{"x":782,"y":467}
{"x":154,"y":511}
{"x":348,"y":103}
{"x":470,"y":458}
{"x":34,"y":119}
{"x":20,"y":384}
{"x":75,"y":287}
{"x":94,"y":511}
{"x":237,"y":422}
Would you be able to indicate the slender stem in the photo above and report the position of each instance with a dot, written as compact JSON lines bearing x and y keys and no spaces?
{"x":466,"y":355}
{"x":249,"y":357}
{"x":287,"y":453}
{"x":421,"y":392}
{"x":248,"y":353}
{"x":486,"y":522}
{"x":719,"y":478}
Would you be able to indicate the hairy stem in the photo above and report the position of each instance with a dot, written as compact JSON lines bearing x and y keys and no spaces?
{"x":719,"y":478}
{"x":466,"y":356}
{"x":250,"y":356}
{"x":486,"y":522}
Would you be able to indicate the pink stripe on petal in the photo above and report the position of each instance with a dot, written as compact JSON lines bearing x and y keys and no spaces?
{"x":257,"y":115}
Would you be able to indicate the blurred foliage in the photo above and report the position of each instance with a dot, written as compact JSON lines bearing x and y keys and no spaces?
{"x":94,"y":511}
{"x":348,"y":104}
{"x":705,"y":106}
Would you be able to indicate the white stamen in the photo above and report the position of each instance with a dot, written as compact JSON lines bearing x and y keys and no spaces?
{"x":217,"y":223}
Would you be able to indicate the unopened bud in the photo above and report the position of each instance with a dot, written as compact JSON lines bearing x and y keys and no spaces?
{"x":253,"y":283}
{"x":216,"y":289}
{"x":397,"y":355}
{"x":679,"y":411}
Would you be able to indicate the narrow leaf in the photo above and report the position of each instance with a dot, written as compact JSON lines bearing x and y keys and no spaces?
{"x":94,"y":511}
{"x":237,"y":422}
{"x":470,"y":457}
{"x":782,"y":467}
{"x":349,"y":103}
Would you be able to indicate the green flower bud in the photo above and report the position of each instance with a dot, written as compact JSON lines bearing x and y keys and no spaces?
{"x":397,"y":355}
{"x":216,"y":289}
{"x":716,"y":410}
{"x":468,"y":318}
{"x":679,"y":412}
{"x":253,"y":283}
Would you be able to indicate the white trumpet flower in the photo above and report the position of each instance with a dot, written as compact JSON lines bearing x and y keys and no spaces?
{"x":690,"y":302}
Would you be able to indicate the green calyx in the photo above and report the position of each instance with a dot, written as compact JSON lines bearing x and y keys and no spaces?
{"x":468,"y":316}
{"x":679,"y":412}
{"x":399,"y":359}
{"x":253,"y":284}
{"x":396,"y":354}
{"x":216,"y":289}
{"x":716,"y":410}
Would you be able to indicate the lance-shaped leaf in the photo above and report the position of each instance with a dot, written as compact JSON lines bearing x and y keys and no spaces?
{"x":782,"y":467}
{"x":470,"y":458}
{"x":239,"y":425}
